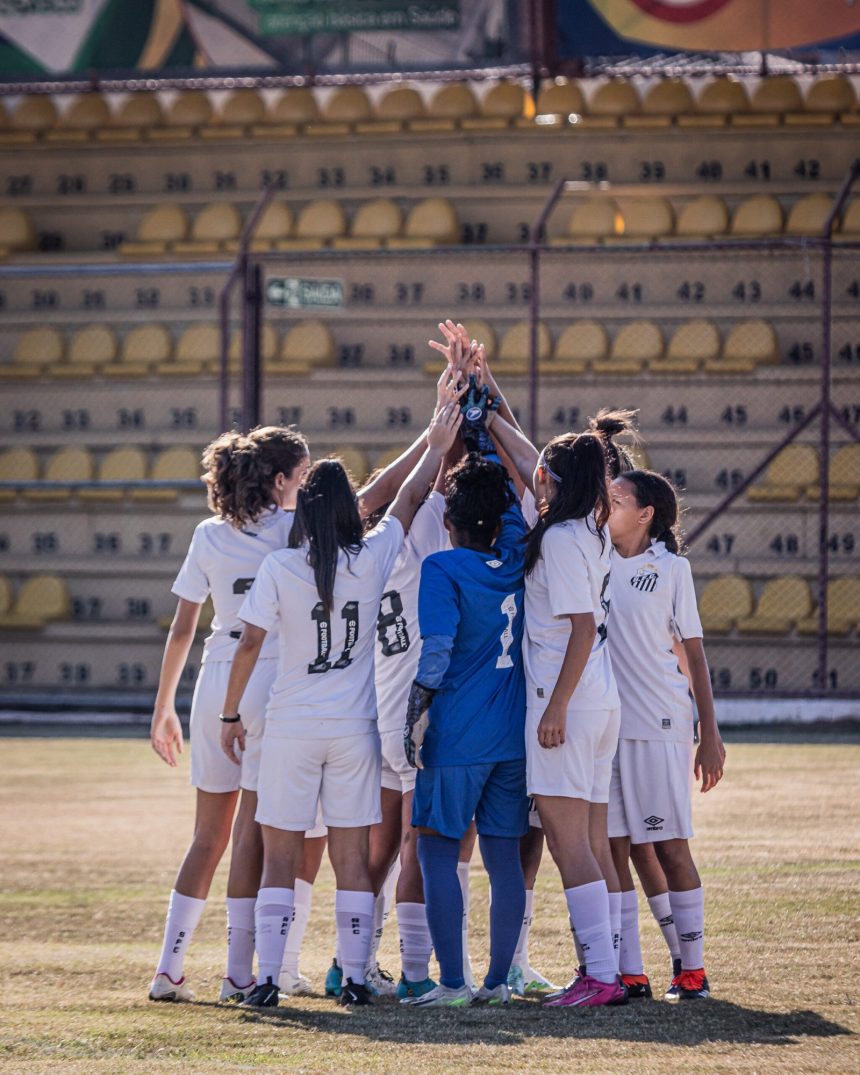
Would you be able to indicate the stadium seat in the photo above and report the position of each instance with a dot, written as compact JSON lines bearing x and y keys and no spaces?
{"x":374,"y":224}
{"x":138,"y":114}
{"x":213,"y":227}
{"x":185,"y":115}
{"x":341,"y":112}
{"x":276,"y":222}
{"x":849,"y":226}
{"x":171,"y":464}
{"x":16,"y":231}
{"x":782,"y":603}
{"x":238,"y":113}
{"x":828,"y":97}
{"x":749,"y":344}
{"x":319,"y":222}
{"x":638,"y":343}
{"x":90,"y":349}
{"x":355,"y":462}
{"x":808,"y":216}
{"x":448,"y":106}
{"x":159,"y":229}
{"x":843,"y":608}
{"x":198,"y":347}
{"x":431,"y":222}
{"x":399,"y":106}
{"x":663,"y":103}
{"x":844,"y":475}
{"x":5,"y":596}
{"x":757,"y":216}
{"x":720,"y":101}
{"x":70,"y":464}
{"x":592,"y":220}
{"x":723,"y":602}
{"x":772,"y":98}
{"x":35,"y":352}
{"x":87,"y":112}
{"x":17,"y":465}
{"x":293,"y":109}
{"x":702,"y":218}
{"x":559,"y":100}
{"x":119,"y":465}
{"x":692,"y":343}
{"x":42,"y":598}
{"x":579,"y":345}
{"x":787,"y":475}
{"x":308,"y":345}
{"x":612,"y":102}
{"x":645,"y":219}
{"x":501,"y":106}
{"x":515,"y":348}
{"x":34,"y":115}
{"x":145,"y":346}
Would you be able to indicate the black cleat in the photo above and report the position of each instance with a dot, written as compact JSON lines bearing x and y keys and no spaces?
{"x":672,"y":993}
{"x":264,"y":995}
{"x":637,"y":986}
{"x":354,"y":995}
{"x":693,"y":985}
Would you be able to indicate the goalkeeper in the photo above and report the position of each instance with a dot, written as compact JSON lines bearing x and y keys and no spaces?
{"x":467,"y":708}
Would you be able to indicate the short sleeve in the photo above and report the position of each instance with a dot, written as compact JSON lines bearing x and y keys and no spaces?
{"x":438,"y":604}
{"x":567,"y":582}
{"x":384,"y":542}
{"x":192,"y":582}
{"x":261,"y":607}
{"x":685,"y":613}
{"x":529,"y":507}
{"x":427,"y":534}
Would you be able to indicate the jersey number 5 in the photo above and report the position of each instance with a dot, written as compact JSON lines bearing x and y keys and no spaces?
{"x":509,"y":609}
{"x":322,"y":619}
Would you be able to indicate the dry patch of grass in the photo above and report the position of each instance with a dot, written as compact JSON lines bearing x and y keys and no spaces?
{"x":96,"y":828}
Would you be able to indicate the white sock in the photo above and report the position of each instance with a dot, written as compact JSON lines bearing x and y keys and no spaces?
{"x":521,"y":955}
{"x":415,"y":941}
{"x":463,"y":878}
{"x":688,"y":910}
{"x":183,"y":914}
{"x":661,"y":909}
{"x":301,"y":912}
{"x":273,"y":915}
{"x":240,"y":939}
{"x":630,"y":960}
{"x":354,"y":916}
{"x":615,"y":920}
{"x":580,"y":955}
{"x":588,"y":906}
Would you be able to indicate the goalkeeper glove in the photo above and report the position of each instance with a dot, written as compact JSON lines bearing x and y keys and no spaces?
{"x":474,"y":408}
{"x":417,"y":723}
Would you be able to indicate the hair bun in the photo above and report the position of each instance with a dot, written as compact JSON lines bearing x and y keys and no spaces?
{"x":611,"y":423}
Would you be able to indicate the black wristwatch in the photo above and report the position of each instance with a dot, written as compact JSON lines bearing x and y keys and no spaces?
{"x":229,"y":720}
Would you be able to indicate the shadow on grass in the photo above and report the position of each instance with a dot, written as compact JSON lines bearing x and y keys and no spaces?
{"x":687,"y":1024}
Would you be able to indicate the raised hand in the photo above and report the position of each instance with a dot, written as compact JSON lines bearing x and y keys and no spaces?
{"x":474,"y":408}
{"x":456,"y":349}
{"x":444,"y":426}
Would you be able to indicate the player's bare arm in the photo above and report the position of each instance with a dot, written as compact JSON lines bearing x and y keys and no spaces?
{"x":440,"y":436}
{"x":518,"y":448}
{"x":710,"y":757}
{"x":165,"y":730}
{"x":551,"y":729}
{"x":244,"y":659}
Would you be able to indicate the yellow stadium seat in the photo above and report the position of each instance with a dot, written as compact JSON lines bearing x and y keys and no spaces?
{"x":119,"y":465}
{"x":295,"y":108}
{"x":828,"y":97}
{"x":515,"y":348}
{"x":843,"y":608}
{"x":844,"y":475}
{"x":720,"y":101}
{"x":5,"y":596}
{"x":42,"y":598}
{"x":808,"y":216}
{"x":171,"y":464}
{"x":449,"y":105}
{"x":87,"y":112}
{"x":431,"y":222}
{"x":36,"y":350}
{"x":664,"y":102}
{"x":16,"y":230}
{"x":612,"y":102}
{"x":560,"y":100}
{"x":355,"y":463}
{"x":782,"y":602}
{"x":772,"y":98}
{"x":213,"y":227}
{"x":399,"y":106}
{"x":198,"y":347}
{"x":644,"y":219}
{"x":319,"y":222}
{"x":637,"y":343}
{"x":702,"y":218}
{"x":17,"y":465}
{"x":136,"y":116}
{"x":374,"y":224}
{"x":144,"y":347}
{"x":342,"y":111}
{"x":849,"y":226}
{"x":34,"y":115}
{"x":787,"y":475}
{"x":241,"y":110}
{"x":309,"y":345}
{"x":71,"y":464}
{"x":90,"y":349}
{"x":692,"y":343}
{"x":592,"y":220}
{"x":185,"y":115}
{"x":276,"y":222}
{"x":756,"y":216}
{"x":503,"y":104}
{"x":749,"y":344}
{"x":723,"y":602}
{"x":579,"y":345}
{"x":159,"y":229}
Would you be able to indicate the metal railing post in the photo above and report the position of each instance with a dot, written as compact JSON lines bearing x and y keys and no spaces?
{"x":536,"y":240}
{"x":252,"y":320}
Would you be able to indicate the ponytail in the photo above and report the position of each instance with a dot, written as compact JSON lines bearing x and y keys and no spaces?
{"x":652,"y":490}
{"x":609,"y":424}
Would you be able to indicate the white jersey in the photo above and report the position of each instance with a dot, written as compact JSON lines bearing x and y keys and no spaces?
{"x":324,"y":686}
{"x":223,"y":561}
{"x":398,"y":644}
{"x":570,"y":577}
{"x":653,"y":603}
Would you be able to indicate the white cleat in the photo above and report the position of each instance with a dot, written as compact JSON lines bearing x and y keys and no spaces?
{"x":501,"y":994}
{"x":230,"y":992}
{"x":294,"y":985}
{"x":163,"y":987}
{"x":379,"y":982}
{"x":441,"y":997}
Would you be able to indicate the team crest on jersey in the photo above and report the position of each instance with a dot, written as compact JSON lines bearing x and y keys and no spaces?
{"x":645,"y":578}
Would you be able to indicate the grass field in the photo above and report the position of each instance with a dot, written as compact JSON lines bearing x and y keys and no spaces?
{"x":96,"y":827}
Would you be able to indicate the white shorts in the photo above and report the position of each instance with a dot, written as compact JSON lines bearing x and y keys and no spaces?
{"x":581,"y":767}
{"x":397,"y":773}
{"x":649,"y":797}
{"x":342,"y":775}
{"x":211,"y":769}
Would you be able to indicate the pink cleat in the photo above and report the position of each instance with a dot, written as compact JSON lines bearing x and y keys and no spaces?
{"x":588,"y":992}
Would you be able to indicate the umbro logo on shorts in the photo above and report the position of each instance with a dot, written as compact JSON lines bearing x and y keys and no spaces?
{"x":645,"y":578}
{"x":654,"y":823}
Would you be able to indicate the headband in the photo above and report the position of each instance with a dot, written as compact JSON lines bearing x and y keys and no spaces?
{"x":542,"y":463}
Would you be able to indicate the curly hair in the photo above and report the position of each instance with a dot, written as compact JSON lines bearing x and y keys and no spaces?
{"x":477,"y":494}
{"x":240,"y":470}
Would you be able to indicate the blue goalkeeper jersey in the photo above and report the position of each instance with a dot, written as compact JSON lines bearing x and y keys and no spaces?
{"x":478,"y":713}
